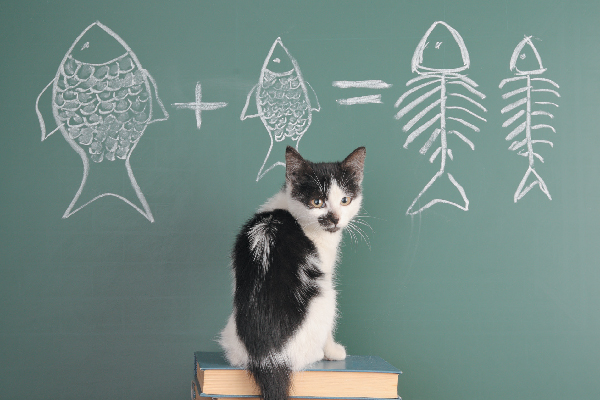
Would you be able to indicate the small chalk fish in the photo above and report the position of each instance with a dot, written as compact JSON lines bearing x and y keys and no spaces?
{"x":102,"y":101}
{"x":284,"y":102}
{"x":439,"y":60}
{"x":526,"y":64}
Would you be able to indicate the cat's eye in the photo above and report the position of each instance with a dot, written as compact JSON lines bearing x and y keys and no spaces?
{"x":346,"y":200}
{"x":317,"y":203}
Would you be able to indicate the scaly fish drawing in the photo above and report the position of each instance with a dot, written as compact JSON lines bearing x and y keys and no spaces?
{"x":442,"y":83}
{"x":284,"y":102}
{"x":527,"y":66}
{"x":102,"y":101}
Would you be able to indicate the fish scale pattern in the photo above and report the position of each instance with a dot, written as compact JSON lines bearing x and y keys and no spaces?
{"x":284,"y":107}
{"x":105,"y":108}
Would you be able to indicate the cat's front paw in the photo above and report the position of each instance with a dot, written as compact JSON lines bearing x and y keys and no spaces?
{"x":334,"y":351}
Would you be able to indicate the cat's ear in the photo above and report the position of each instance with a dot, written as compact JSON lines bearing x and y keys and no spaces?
{"x":355,"y":162}
{"x":294,"y":163}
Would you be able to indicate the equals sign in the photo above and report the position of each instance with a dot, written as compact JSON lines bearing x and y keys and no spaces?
{"x":369,"y":84}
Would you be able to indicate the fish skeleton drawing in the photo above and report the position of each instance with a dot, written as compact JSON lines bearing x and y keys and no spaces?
{"x":527,"y":66}
{"x":284,"y":102}
{"x":439,"y":60}
{"x":102,"y":101}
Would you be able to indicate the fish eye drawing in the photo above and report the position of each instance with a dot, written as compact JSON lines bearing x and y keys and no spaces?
{"x":284,"y":102}
{"x":453,"y":110}
{"x":102,"y":105}
{"x":527,"y":66}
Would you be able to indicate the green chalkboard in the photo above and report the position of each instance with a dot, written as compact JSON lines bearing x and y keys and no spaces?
{"x":136,"y":139}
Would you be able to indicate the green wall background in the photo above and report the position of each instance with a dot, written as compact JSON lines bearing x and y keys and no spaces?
{"x":500,"y":301}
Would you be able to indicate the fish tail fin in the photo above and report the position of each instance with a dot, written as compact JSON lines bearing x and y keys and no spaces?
{"x":442,"y":186}
{"x":522,"y":190}
{"x":273,"y":377}
{"x":275,"y":156}
{"x":106,"y":180}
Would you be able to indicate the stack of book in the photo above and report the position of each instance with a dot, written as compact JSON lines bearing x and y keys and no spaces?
{"x":356,"y":377}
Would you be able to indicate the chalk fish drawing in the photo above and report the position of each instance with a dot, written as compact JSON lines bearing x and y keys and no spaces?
{"x":102,"y":104}
{"x":527,"y":66}
{"x":439,"y":83}
{"x":284,"y":103}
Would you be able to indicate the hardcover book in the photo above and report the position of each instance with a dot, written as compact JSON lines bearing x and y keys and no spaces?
{"x":354,"y":377}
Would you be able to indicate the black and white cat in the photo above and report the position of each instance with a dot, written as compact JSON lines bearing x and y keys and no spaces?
{"x":284,"y":258}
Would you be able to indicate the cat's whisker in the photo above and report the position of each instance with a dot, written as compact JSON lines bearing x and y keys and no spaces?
{"x":370,"y":216}
{"x":360,"y":232}
{"x":352,"y":236}
{"x":358,"y":221}
{"x":364,"y":233}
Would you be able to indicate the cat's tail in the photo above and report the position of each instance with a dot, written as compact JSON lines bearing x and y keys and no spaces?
{"x":273,"y":376}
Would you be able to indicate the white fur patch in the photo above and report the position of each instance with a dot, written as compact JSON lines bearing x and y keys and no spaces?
{"x":261,"y":238}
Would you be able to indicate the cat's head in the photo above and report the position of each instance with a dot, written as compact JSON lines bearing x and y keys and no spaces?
{"x":324,"y":195}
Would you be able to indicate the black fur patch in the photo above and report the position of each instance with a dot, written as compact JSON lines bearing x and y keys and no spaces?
{"x":271,"y":301}
{"x":313,"y":180}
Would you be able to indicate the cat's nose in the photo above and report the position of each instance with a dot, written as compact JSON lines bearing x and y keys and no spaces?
{"x":334,"y":218}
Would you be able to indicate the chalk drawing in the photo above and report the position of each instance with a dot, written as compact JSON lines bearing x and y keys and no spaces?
{"x":198,"y":106}
{"x":284,"y":102}
{"x":442,"y":84}
{"x":102,"y":105}
{"x":371,"y":99}
{"x":524,"y":53}
{"x":368,"y":84}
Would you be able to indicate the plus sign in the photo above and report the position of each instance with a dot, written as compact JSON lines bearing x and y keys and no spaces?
{"x":198,"y":106}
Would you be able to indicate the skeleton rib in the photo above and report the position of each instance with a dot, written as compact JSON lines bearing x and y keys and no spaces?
{"x":464,"y":139}
{"x":513,"y":118}
{"x":546,"y":80}
{"x":421,"y":77}
{"x":465,"y":123}
{"x":542,"y":113}
{"x":507,"y":80}
{"x":546,"y":103}
{"x":514,"y":105}
{"x":420,"y":130}
{"x":467,"y":80}
{"x":420,"y":115}
{"x":469,"y":88}
{"x":462,"y":96}
{"x":540,"y":126}
{"x":430,"y":141}
{"x":416,"y":102}
{"x":546,"y":90}
{"x":517,"y":91}
{"x":468,"y":111}
{"x":435,"y":154}
{"x":516,"y":131}
{"x":517,"y":145}
{"x":543,"y":141}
